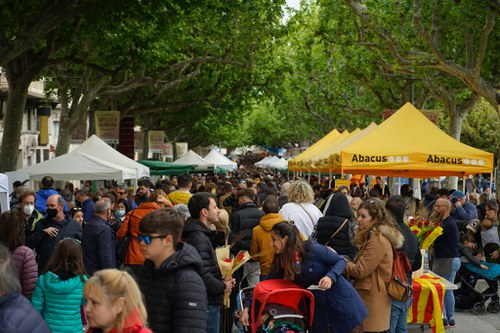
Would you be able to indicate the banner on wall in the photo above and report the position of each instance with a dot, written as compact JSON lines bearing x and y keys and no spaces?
{"x":181,"y":148}
{"x":107,"y":126}
{"x":155,"y":141}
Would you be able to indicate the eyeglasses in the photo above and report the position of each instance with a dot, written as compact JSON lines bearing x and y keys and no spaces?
{"x":76,"y":209}
{"x":147,"y":238}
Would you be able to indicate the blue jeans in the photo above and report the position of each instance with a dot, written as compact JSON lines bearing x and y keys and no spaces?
{"x":399,"y":316}
{"x":213,"y":319}
{"x":449,"y":298}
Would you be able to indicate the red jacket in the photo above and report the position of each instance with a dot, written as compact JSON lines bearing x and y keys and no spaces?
{"x":132,"y":325}
{"x":134,"y":254}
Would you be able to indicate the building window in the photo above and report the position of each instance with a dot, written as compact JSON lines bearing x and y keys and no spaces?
{"x":55,"y":128}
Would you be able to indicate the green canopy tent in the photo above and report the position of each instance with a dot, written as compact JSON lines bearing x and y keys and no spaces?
{"x":160,"y":168}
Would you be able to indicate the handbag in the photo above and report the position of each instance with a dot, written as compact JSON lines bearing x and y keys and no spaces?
{"x":123,"y":243}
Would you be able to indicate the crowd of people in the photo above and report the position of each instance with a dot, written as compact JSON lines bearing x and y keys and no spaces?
{"x":60,"y":270}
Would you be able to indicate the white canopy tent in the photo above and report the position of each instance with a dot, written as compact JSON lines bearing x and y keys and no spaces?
{"x":267,"y":162}
{"x":191,"y":157}
{"x":95,"y":147}
{"x":78,"y":165}
{"x":219,"y":160}
{"x":4,"y":192}
{"x":281,"y":164}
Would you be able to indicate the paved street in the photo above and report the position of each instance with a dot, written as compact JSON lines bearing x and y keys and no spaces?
{"x":468,"y":322}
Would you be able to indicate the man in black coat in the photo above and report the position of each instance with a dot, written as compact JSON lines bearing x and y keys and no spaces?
{"x":54,"y":227}
{"x":17,"y":315}
{"x":98,"y":240}
{"x":176,"y":298}
{"x":396,"y":205}
{"x":204,"y":212}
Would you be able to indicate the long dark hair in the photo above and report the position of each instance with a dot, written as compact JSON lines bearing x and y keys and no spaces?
{"x":293,"y":249}
{"x":12,"y":226}
{"x":67,"y":260}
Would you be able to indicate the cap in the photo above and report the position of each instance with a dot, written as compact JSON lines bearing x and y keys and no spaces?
{"x":457,"y":194}
{"x":473,"y":225}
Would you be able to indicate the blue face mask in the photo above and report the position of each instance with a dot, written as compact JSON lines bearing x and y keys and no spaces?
{"x":120,"y":213}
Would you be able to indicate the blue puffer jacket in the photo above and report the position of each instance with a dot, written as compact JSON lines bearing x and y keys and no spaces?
{"x":59,"y":302}
{"x":18,"y":316}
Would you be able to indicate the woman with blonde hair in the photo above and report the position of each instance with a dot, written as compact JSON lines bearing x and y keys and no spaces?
{"x":114,"y":303}
{"x":300,"y":207}
{"x":376,"y":236}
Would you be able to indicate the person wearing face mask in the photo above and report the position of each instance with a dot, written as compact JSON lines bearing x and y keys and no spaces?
{"x":28,"y":211}
{"x":54,"y":227}
{"x":98,"y":240}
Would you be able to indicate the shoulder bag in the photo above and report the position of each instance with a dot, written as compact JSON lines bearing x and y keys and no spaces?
{"x":124,"y":242}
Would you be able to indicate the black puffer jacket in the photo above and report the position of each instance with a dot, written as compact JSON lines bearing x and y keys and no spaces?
{"x":17,"y":315}
{"x":198,"y":235}
{"x":337,"y":212}
{"x":242,"y":222}
{"x":176,"y":298}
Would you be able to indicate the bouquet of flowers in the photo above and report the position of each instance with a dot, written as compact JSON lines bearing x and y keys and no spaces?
{"x":426,"y":231}
{"x":228,"y":264}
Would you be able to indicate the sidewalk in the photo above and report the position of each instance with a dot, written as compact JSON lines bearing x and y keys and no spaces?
{"x":467,"y":323}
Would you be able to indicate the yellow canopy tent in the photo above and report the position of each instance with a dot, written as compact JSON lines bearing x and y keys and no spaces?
{"x":410,"y":145}
{"x":296,"y":163}
{"x":334,"y":156}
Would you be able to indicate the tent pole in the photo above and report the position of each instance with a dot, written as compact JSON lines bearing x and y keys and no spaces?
{"x":463,"y":183}
{"x":491,"y":185}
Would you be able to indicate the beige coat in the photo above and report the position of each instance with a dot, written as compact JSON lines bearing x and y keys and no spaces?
{"x":372,"y":270}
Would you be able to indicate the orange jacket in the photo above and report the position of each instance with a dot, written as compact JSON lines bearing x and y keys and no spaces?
{"x":134,"y":254}
{"x":262,"y":250}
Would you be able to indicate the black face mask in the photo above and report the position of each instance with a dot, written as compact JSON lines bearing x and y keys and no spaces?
{"x":51,"y":212}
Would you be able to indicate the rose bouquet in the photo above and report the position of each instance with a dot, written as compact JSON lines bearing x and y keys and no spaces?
{"x":426,"y":231}
{"x":228,"y":264}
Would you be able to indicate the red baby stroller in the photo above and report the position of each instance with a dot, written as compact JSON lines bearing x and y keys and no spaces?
{"x":284,"y":300}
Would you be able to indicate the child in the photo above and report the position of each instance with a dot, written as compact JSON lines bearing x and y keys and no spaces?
{"x":489,"y":238}
{"x":58,"y":293}
{"x":270,"y":325}
{"x":472,"y":263}
{"x":175,"y":295}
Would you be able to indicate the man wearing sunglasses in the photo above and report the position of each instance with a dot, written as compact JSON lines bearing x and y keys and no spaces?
{"x":204,"y":212}
{"x":176,"y":298}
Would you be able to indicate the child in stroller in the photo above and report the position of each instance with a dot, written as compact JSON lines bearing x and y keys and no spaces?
{"x":472,"y":269}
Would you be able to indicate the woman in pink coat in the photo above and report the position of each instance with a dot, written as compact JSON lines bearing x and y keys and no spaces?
{"x":372,"y":268}
{"x":12,"y":235}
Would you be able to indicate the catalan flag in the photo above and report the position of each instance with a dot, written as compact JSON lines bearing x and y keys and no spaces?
{"x":427,"y":304}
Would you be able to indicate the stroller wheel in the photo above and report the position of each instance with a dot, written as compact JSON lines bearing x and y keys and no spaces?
{"x":493,"y":307}
{"x":479,"y":308}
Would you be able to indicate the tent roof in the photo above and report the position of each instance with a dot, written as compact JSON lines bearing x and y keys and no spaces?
{"x":281,"y":164}
{"x":267,"y":161}
{"x":191,"y":157}
{"x":410,"y":145}
{"x":157,"y":167}
{"x":325,"y":141}
{"x":309,"y":159}
{"x":78,"y":165}
{"x":220,"y":160}
{"x":94,"y":146}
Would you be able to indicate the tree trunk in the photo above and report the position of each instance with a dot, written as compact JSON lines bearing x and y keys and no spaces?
{"x":454,"y":130}
{"x":13,"y":119}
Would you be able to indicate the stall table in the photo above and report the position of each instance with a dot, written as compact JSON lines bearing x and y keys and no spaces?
{"x":427,"y":304}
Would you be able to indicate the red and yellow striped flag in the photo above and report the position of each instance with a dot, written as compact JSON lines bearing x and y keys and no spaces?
{"x":427,"y":304}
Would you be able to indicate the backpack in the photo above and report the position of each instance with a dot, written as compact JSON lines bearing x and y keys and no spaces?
{"x":398,"y":287}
